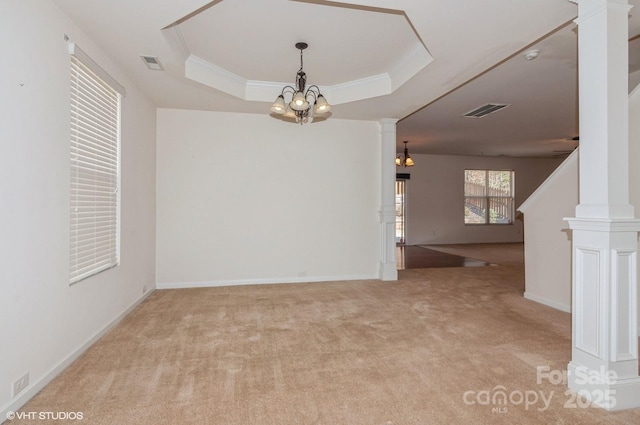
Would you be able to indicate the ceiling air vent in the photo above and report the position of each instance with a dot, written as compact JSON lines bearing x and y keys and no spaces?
{"x":152,"y":63}
{"x":485,"y":110}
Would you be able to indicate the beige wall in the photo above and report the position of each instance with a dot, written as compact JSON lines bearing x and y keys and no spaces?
{"x":245,"y":198}
{"x":548,"y":237}
{"x":435,"y":197}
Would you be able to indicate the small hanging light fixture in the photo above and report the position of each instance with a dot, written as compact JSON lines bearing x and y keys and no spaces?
{"x":405,"y":161}
{"x":304,"y":105}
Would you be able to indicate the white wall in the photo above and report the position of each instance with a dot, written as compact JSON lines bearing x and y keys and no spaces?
{"x":435,"y":197}
{"x":46,"y":322}
{"x":548,"y":238}
{"x":634,"y":154}
{"x":246,"y":198}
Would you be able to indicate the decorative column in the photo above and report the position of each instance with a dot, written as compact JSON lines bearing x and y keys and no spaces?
{"x":604,"y":359}
{"x":388,"y":270}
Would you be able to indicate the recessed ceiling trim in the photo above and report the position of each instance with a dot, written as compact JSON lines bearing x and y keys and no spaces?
{"x":408,"y":66}
{"x":204,"y":72}
{"x":364,"y":88}
{"x":177,"y":43}
{"x":201,"y":71}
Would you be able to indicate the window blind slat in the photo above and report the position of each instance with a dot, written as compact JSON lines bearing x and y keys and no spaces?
{"x":87,"y":167}
{"x":92,"y":126}
{"x":88,"y":83}
{"x":88,"y":99}
{"x":95,"y":223}
{"x":87,"y":105}
{"x":86,"y":177}
{"x":80,"y":231}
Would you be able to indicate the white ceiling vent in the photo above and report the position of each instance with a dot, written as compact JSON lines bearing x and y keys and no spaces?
{"x":152,"y":63}
{"x":485,"y":110}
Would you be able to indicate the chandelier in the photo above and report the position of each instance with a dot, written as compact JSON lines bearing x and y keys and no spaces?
{"x":405,"y":161}
{"x":304,"y":105}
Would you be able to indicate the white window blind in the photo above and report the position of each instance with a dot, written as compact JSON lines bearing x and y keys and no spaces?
{"x":95,"y":157}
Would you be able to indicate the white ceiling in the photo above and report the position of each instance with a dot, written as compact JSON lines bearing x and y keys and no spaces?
{"x":423,"y":62}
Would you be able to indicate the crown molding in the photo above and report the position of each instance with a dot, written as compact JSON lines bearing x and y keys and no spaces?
{"x":207,"y":73}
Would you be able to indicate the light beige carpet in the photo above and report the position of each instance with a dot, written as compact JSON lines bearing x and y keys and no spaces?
{"x":426,"y":349}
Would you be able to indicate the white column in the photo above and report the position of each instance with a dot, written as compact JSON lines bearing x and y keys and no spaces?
{"x":604,"y":359}
{"x":388,"y":269}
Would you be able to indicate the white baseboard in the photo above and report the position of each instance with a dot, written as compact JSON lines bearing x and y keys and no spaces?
{"x":238,"y":282}
{"x":38,"y":385}
{"x":548,"y":302}
{"x":556,"y":305}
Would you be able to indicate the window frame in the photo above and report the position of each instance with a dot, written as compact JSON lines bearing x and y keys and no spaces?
{"x":487,"y":197}
{"x":95,"y":168}
{"x":401,"y":210}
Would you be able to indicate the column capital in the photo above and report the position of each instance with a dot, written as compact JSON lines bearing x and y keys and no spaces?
{"x":609,"y":225}
{"x":388,"y":125}
{"x":589,"y":8}
{"x":600,"y":2}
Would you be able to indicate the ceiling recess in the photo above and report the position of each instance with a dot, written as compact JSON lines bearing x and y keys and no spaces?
{"x":485,"y":110}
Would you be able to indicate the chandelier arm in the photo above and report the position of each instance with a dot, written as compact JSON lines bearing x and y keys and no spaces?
{"x":291,"y":90}
{"x":315,"y":91}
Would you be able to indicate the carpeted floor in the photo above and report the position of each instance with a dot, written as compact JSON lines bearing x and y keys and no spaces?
{"x":436,"y":347}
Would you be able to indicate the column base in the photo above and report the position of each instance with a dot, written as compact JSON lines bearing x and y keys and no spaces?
{"x":388,"y":271}
{"x":603,"y":388}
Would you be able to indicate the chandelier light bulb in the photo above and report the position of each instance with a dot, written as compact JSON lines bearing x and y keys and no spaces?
{"x":299,"y":103}
{"x":322,"y":106}
{"x":278,"y":106}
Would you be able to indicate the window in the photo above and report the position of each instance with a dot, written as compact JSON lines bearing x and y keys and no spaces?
{"x":488,"y":196}
{"x":95,"y":165}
